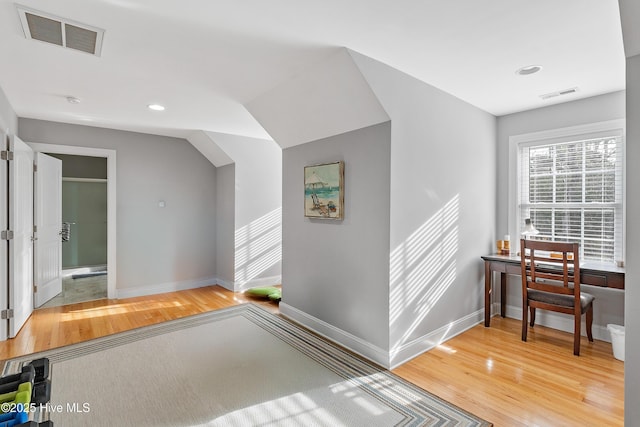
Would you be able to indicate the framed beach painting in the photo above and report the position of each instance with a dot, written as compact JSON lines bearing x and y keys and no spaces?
{"x":324,"y":191}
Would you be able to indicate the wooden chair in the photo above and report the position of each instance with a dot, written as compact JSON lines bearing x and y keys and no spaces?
{"x":551,"y":281}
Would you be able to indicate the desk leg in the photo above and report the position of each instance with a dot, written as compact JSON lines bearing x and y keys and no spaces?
{"x":487,"y":294}
{"x":503,"y":294}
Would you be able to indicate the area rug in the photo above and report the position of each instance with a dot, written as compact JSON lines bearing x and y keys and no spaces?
{"x":240,"y":366}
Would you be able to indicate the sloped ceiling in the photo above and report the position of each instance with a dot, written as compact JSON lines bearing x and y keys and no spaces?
{"x":630,"y":17}
{"x":208,"y":147}
{"x":204,"y":60}
{"x":328,"y":99}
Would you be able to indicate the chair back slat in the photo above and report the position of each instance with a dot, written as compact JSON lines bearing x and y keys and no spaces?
{"x":556,"y":289}
{"x":550,"y":266}
{"x":544,"y":258}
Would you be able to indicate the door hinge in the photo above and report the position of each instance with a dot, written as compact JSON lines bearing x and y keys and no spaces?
{"x":35,"y":288}
{"x":6,"y":155}
{"x":35,"y":228}
{"x":35,"y":167}
{"x":6,"y":235}
{"x":6,"y":314}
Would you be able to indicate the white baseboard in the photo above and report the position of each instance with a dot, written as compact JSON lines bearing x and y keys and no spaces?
{"x":389,"y":360}
{"x":228,"y":285}
{"x":197,"y":283}
{"x":555,"y":321}
{"x":165,"y":287}
{"x":70,"y":271}
{"x":343,"y":338}
{"x":261,"y":281}
{"x":243,"y":286}
{"x":416,"y":347}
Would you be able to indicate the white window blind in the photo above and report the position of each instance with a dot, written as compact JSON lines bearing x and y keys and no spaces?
{"x":573,"y":191}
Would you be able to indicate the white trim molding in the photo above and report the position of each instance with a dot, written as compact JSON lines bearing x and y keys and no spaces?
{"x":89,"y":180}
{"x":162,"y":288}
{"x":396,"y":356}
{"x":225,"y":284}
{"x":515,"y":141}
{"x":337,"y":335}
{"x":110,"y":155}
{"x":243,"y":286}
{"x":261,"y":281}
{"x":405,"y":352}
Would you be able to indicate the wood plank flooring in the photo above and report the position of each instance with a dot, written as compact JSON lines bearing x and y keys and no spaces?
{"x":487,"y":371}
{"x":58,"y":326}
{"x":493,"y":374}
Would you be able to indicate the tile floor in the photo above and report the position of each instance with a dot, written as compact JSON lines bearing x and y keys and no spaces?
{"x":79,"y":290}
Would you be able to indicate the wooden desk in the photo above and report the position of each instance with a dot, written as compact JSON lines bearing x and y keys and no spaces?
{"x":591,"y":273}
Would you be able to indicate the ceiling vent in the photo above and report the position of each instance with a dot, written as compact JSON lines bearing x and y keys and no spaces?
{"x":559,"y":93}
{"x":60,"y":31}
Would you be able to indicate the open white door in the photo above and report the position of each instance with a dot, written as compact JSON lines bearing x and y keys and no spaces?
{"x":48,"y":222}
{"x":21,"y":245}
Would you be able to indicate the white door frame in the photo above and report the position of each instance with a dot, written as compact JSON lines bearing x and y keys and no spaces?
{"x":4,"y":244}
{"x":110,"y":155}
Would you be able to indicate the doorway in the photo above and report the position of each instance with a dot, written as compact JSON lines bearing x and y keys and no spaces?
{"x":90,"y":272}
{"x":84,"y":229}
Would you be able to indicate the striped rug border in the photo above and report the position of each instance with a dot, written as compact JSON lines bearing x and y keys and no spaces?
{"x":419,"y":407}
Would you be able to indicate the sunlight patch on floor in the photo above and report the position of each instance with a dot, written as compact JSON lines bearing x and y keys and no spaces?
{"x":118,"y":308}
{"x":298,"y":407}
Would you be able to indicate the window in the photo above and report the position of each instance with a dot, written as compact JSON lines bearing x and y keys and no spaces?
{"x":571,"y":187}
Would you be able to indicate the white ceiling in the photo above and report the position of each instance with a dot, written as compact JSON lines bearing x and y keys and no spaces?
{"x":205,"y":59}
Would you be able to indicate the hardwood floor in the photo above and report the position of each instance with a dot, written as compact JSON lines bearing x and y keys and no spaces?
{"x":487,"y":371}
{"x":492,"y":373}
{"x":58,"y":326}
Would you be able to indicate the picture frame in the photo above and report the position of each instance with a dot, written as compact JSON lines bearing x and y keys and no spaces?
{"x":324,"y":191}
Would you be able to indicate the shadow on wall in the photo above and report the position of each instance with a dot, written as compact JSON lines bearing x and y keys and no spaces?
{"x":422,"y":268}
{"x":258,"y":246}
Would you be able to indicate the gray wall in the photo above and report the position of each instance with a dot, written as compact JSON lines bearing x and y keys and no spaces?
{"x":82,"y":166}
{"x":8,"y":118}
{"x":258,"y":212}
{"x":609,"y":305}
{"x":258,"y":203}
{"x":632,"y":291}
{"x":443,"y":181}
{"x":156,"y":246}
{"x":84,"y":206}
{"x":225,"y":224}
{"x":337,"y":271}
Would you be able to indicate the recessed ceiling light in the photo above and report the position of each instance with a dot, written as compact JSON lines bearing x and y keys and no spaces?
{"x":155,"y":107}
{"x":73,"y":100}
{"x":529,"y":69}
